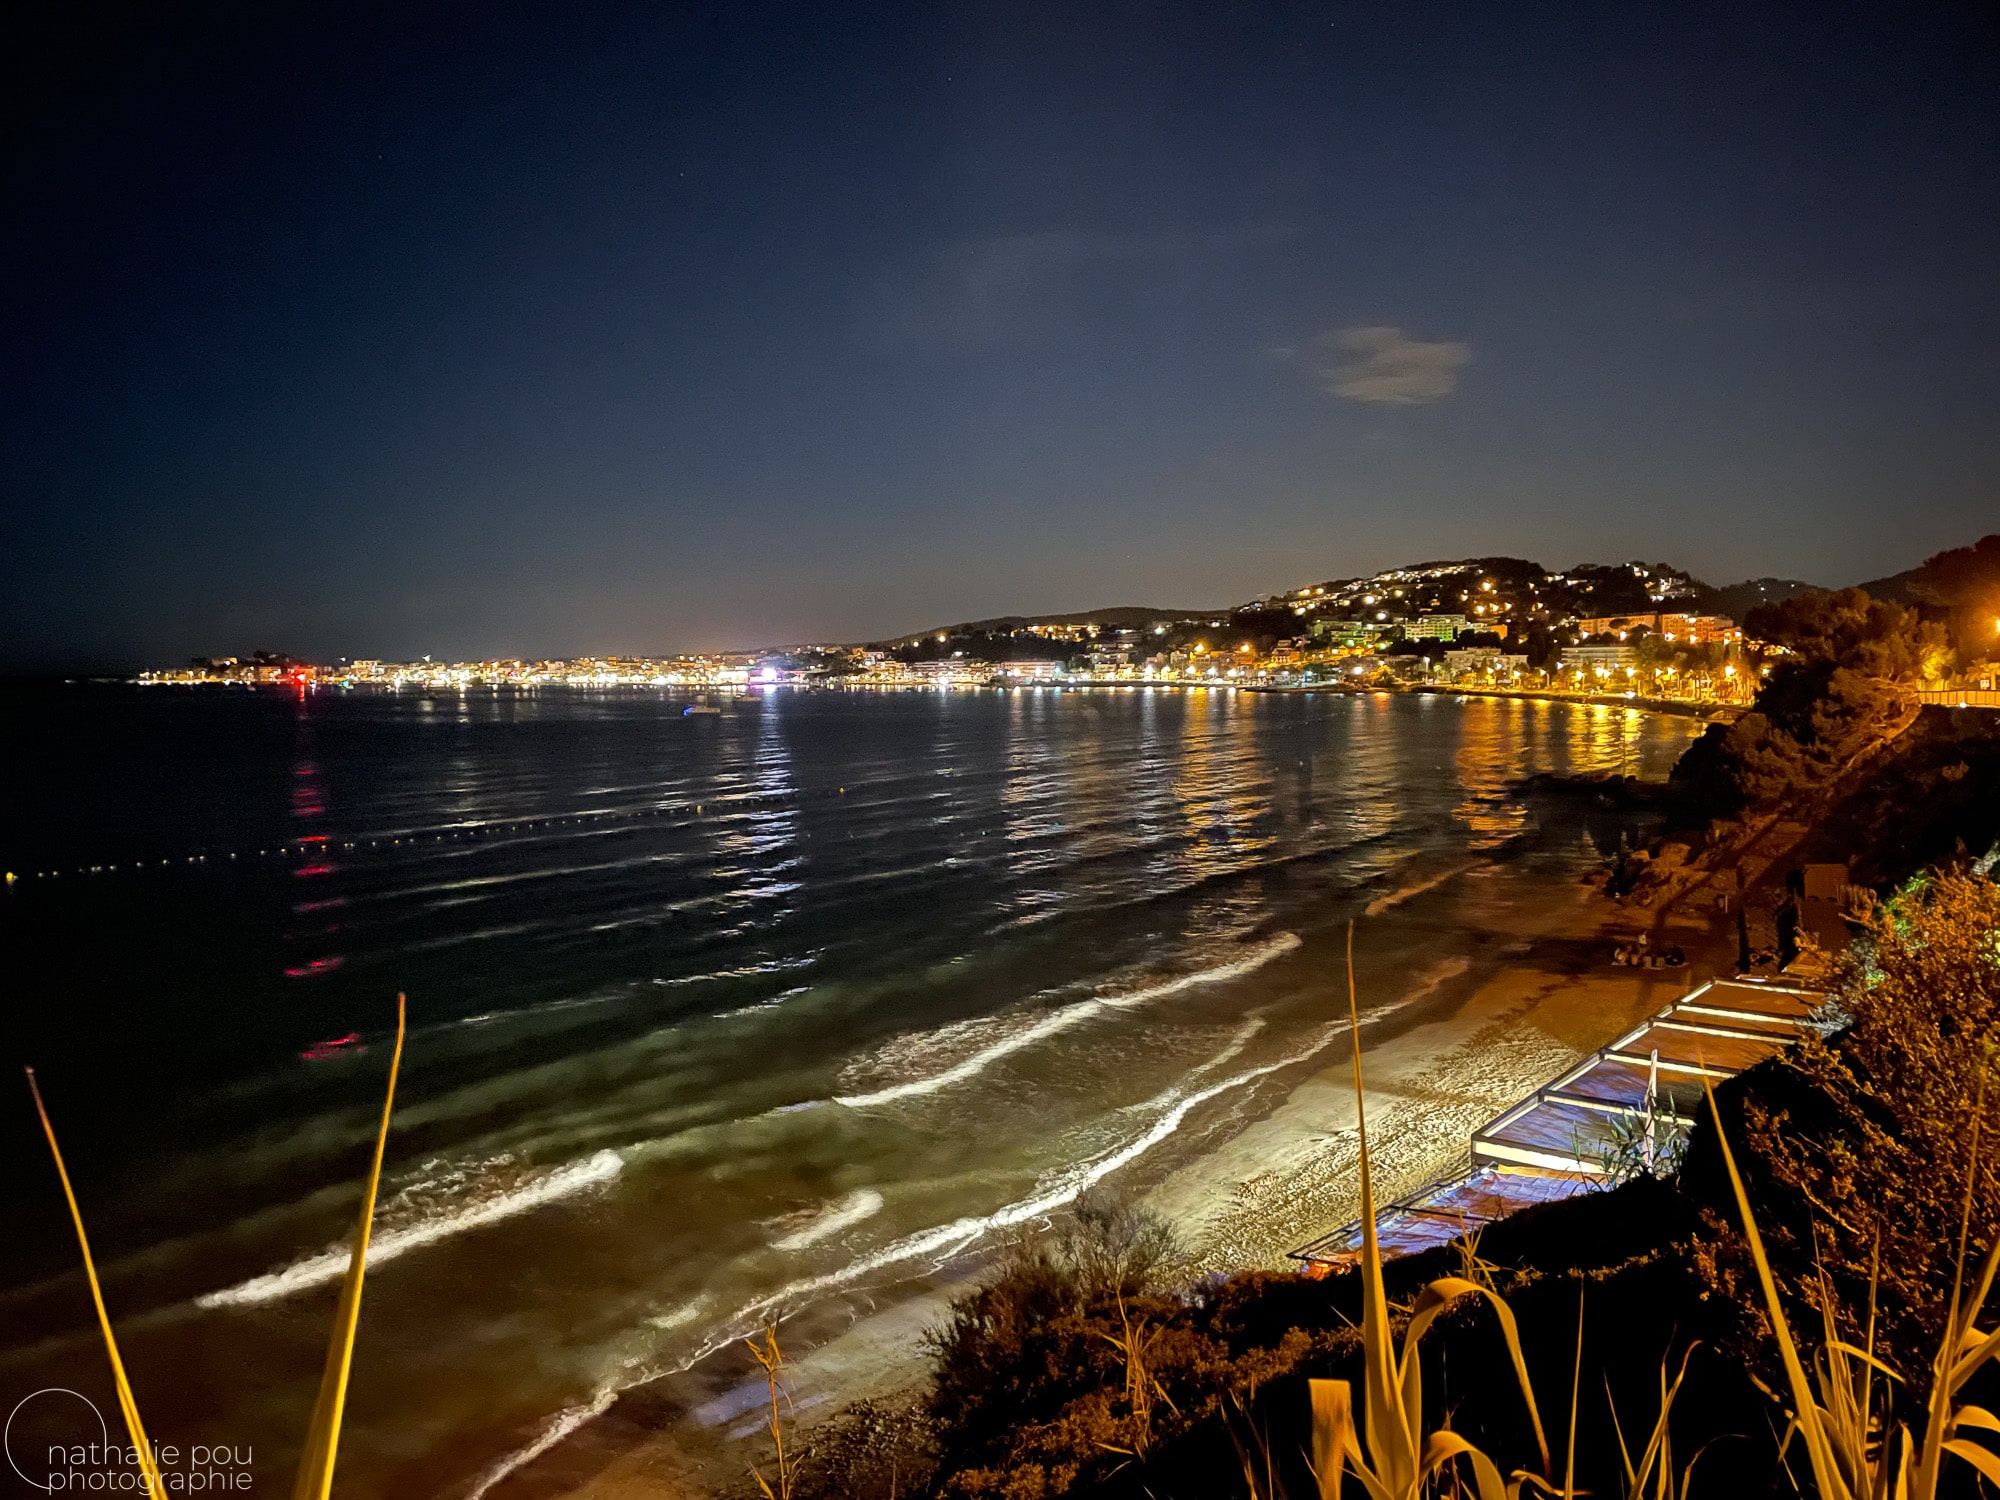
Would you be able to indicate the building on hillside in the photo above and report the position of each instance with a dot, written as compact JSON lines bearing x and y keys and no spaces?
{"x":1352,"y":635}
{"x":1436,"y":627}
{"x":1110,"y":661}
{"x":1700,"y":630}
{"x":1683,"y":630}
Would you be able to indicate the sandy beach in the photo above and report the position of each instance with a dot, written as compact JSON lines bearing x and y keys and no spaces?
{"x":1551,"y":995}
{"x":1555,"y":998}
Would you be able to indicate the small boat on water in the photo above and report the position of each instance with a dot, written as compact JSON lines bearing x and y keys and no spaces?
{"x":699,"y":708}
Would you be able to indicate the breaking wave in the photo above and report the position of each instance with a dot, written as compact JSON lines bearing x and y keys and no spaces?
{"x":945,"y":1240}
{"x":1398,"y":896}
{"x":560,"y":1426}
{"x":1063,"y":1020}
{"x":849,"y":1211}
{"x":331,"y":1265}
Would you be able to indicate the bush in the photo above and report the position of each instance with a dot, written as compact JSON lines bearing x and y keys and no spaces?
{"x":1844,"y":689}
{"x":871,"y":1451}
{"x":1074,"y":1360}
{"x":1864,"y":1142}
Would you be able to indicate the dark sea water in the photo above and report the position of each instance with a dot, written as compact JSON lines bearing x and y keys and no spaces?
{"x":713,"y":1017}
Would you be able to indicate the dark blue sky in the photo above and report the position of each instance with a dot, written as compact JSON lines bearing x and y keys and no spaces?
{"x":518,"y":330}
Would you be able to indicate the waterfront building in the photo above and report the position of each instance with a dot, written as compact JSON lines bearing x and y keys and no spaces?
{"x":1589,"y":658}
{"x":1483,"y":661}
{"x":1028,"y":671}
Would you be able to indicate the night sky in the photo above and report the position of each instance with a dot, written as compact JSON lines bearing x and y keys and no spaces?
{"x":532,"y":331}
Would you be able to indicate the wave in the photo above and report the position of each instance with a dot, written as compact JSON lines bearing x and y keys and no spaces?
{"x":943,"y":1241}
{"x":862,"y":1204}
{"x":1063,"y":1020}
{"x":1256,"y":958}
{"x":758,"y":1005}
{"x":560,"y":1426}
{"x":677,"y":1317}
{"x":1398,"y":896}
{"x":331,"y":1264}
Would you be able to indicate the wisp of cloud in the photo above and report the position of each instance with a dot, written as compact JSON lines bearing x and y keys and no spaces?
{"x":1383,"y":365}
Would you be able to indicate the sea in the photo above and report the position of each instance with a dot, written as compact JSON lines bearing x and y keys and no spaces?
{"x":778,"y":1014}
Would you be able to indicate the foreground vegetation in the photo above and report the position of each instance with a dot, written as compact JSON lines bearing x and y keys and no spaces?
{"x":1795,"y":1311}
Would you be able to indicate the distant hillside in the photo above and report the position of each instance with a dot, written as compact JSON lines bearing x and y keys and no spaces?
{"x":1514,"y":591}
{"x":1896,"y":587}
{"x":1738,"y":599}
{"x":1117,"y":617}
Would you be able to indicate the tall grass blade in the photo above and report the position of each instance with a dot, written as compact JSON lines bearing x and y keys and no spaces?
{"x":1332,"y":1432}
{"x":315,"y":1480}
{"x":148,"y":1469}
{"x":1652,"y":1475}
{"x":1963,"y":1350}
{"x":1390,"y":1443}
{"x":1807,"y":1413}
{"x":1401,"y":1461}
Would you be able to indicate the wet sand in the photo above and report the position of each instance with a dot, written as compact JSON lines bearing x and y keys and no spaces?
{"x":1294,"y":1174}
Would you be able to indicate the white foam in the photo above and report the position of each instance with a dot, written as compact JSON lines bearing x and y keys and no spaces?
{"x":1256,"y":958}
{"x":1064,"y":1019}
{"x":939,"y":1242}
{"x":945,"y":1240}
{"x":561,"y":1425}
{"x":677,"y":1317}
{"x":1381,"y":904}
{"x":849,"y":1211}
{"x":331,"y":1265}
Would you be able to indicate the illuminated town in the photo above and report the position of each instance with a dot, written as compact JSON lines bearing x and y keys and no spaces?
{"x":1632,"y":631}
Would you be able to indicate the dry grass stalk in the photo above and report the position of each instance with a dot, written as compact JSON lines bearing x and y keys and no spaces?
{"x":1135,"y":1342}
{"x":1844,"y":1376}
{"x":772,"y":1359}
{"x":149,"y":1470}
{"x":1268,"y":1489}
{"x":1472,"y":1266}
{"x":315,"y":1476}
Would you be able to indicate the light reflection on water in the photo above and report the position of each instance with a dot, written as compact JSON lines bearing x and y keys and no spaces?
{"x":921,"y":897}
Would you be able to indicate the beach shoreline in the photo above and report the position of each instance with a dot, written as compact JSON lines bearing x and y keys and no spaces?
{"x":1491,"y":1034}
{"x":1677,"y":707}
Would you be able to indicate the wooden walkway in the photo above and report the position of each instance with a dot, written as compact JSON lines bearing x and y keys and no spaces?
{"x":1961,"y":697}
{"x":1554,"y":1143}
